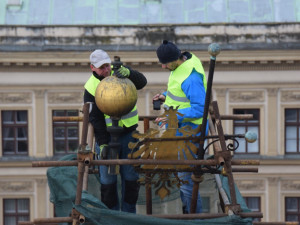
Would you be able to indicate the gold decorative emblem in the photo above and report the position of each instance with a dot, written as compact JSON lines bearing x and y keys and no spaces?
{"x":172,"y":144}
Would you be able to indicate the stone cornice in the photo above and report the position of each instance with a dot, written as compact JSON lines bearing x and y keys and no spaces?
{"x":147,"y":61}
{"x":279,"y":162}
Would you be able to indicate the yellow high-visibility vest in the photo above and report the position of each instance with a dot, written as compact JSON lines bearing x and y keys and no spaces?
{"x":175,"y":96}
{"x":127,"y":120}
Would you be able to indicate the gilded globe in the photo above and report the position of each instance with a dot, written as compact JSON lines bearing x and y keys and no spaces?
{"x":251,"y":136}
{"x":115,"y":96}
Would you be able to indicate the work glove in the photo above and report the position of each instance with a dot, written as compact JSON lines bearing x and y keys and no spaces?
{"x":104,"y":151}
{"x":122,"y":72}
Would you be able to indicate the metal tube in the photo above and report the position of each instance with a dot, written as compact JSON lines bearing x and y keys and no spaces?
{"x":85,"y":125}
{"x":85,"y":178}
{"x":235,"y":117}
{"x":67,"y":118}
{"x":170,"y":162}
{"x":79,"y":183}
{"x":223,"y":193}
{"x":81,"y":219}
{"x":153,"y":162}
{"x":25,"y":223}
{"x":142,"y":118}
{"x":192,"y":169}
{"x":90,"y":137}
{"x":146,"y":124}
{"x":276,"y":223}
{"x":230,"y":183}
{"x":193,"y":205}
{"x":251,"y":214}
{"x":54,"y":163}
{"x":219,"y":127}
{"x":217,"y":147}
{"x":53,"y":220}
{"x":247,"y":170}
{"x":214,"y":50}
{"x":143,"y":161}
{"x":147,"y":117}
{"x":32,"y":223}
{"x":148,"y":187}
{"x":244,"y":162}
{"x":191,"y":216}
{"x":148,"y":194}
{"x":195,"y":139}
{"x":222,"y":142}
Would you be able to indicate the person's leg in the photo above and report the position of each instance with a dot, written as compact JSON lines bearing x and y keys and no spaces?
{"x":109,"y":193}
{"x":183,"y":201}
{"x":186,"y":191}
{"x":130,"y":185}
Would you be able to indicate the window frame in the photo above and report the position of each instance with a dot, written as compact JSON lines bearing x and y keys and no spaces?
{"x":297,"y":124}
{"x":65,"y":124}
{"x":207,"y":208}
{"x":246,"y":124}
{"x":291,"y":213}
{"x":15,"y":127}
{"x":246,"y":199}
{"x":16,"y":214}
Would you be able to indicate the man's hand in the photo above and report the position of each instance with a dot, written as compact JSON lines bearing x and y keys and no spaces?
{"x":123,"y":72}
{"x":104,"y":151}
{"x":160,"y":97}
{"x":161,"y":121}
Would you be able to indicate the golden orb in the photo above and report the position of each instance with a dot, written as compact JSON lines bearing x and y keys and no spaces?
{"x":115,"y":96}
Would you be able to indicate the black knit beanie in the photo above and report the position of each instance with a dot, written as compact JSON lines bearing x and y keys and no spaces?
{"x":167,"y":52}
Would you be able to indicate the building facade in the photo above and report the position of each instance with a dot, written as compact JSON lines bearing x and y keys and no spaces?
{"x":43,"y":70}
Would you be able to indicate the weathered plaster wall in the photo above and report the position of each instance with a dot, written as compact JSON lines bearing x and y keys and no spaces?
{"x":139,"y":37}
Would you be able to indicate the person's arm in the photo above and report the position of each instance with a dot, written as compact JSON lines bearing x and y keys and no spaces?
{"x":96,"y":118}
{"x":194,"y":90}
{"x":137,"y":78}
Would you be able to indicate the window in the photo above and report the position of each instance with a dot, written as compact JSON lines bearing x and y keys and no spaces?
{"x":243,"y":126}
{"x":14,"y":132}
{"x":65,"y":134}
{"x":253,"y":203}
{"x":205,"y":204}
{"x":15,"y":210}
{"x":14,"y":2}
{"x":292,"y":209}
{"x":292,"y":131}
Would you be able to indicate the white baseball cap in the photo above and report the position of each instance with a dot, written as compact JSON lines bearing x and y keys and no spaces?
{"x":99,"y":57}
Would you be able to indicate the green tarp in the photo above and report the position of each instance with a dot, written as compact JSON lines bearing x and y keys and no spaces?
{"x":62,"y":182}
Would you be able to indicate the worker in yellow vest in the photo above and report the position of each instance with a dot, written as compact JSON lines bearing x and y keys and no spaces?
{"x":186,"y":90}
{"x":101,"y":68}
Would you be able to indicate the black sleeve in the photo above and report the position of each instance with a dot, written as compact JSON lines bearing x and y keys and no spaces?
{"x":96,"y":118}
{"x":137,"y":78}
